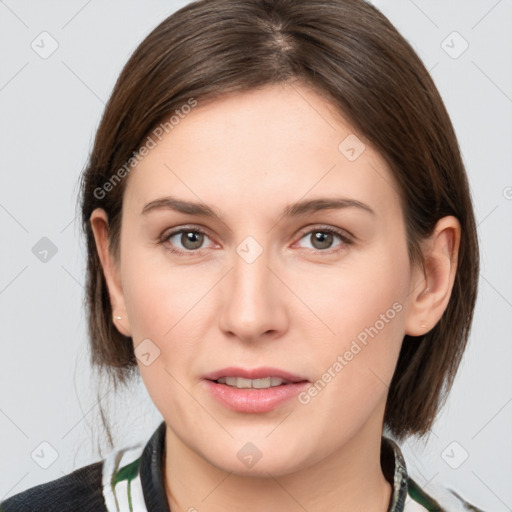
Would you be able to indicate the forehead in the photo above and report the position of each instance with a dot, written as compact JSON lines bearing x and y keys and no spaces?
{"x":275,"y":144}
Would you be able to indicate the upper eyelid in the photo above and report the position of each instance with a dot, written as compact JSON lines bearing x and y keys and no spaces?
{"x":175,"y":231}
{"x":338,"y":231}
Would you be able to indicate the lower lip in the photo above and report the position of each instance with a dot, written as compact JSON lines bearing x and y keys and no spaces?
{"x":254,"y":400}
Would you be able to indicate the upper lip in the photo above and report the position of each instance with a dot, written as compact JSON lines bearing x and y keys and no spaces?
{"x":254,"y":373}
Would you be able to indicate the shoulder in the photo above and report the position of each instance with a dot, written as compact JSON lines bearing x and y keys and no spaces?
{"x":80,"y":490}
{"x":120,"y":482}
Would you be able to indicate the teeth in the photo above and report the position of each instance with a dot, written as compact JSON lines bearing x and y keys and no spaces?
{"x":241,"y":383}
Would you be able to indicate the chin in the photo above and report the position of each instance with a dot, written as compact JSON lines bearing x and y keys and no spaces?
{"x":259,"y":458}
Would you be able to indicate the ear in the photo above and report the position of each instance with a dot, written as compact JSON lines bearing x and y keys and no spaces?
{"x":432,"y":285}
{"x":99,"y":226}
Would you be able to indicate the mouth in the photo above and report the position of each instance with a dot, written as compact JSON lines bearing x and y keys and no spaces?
{"x":253,"y":391}
{"x":241,"y":383}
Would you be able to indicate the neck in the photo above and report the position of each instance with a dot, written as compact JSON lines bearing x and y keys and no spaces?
{"x":349,"y":479}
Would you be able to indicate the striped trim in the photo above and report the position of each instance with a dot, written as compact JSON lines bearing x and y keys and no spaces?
{"x":419,"y":495}
{"x":122,"y":487}
{"x":413,"y":506}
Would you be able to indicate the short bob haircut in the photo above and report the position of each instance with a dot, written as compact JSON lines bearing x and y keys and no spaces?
{"x":347,"y":51}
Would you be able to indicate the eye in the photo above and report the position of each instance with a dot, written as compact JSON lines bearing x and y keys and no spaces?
{"x":190,"y":239}
{"x":321,"y":238}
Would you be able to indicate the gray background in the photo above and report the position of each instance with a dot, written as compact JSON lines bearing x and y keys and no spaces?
{"x":49,"y":111}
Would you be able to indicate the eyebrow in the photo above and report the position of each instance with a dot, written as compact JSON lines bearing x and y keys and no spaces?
{"x":293,"y":210}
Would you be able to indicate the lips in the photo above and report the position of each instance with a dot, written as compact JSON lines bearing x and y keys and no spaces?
{"x":257,"y":390}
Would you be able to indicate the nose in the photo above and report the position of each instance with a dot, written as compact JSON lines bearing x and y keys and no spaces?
{"x":254,"y":298}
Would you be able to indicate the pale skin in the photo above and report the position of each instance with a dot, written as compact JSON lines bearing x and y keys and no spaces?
{"x":297,"y":306}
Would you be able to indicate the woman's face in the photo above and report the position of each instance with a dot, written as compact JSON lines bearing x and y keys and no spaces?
{"x":267,"y":279}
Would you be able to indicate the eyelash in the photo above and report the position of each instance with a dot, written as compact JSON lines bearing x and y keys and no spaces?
{"x":346,"y":240}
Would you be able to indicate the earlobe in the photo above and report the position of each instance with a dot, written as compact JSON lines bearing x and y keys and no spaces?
{"x":432,"y":288}
{"x":122,"y":324}
{"x":99,"y":226}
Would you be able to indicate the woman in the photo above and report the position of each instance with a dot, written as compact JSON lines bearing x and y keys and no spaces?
{"x":281,"y":241}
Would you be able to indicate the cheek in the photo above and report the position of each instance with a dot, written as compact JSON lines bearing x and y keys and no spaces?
{"x":362,"y":308}
{"x":164,"y":308}
{"x":173,"y":307}
{"x":159,"y":294}
{"x":354,"y":297}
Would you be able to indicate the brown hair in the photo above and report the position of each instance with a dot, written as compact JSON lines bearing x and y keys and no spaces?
{"x":351,"y":54}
